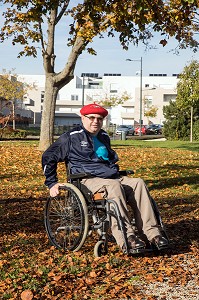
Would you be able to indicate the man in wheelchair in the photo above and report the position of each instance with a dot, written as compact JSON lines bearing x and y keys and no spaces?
{"x":87,"y":149}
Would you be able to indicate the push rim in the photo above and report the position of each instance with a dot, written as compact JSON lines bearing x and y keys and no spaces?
{"x":66,"y":219}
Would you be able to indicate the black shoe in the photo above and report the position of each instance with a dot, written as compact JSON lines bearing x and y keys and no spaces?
{"x":135,"y":245}
{"x":160,"y":242}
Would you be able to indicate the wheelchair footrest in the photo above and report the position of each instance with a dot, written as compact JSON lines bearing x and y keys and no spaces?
{"x":135,"y":251}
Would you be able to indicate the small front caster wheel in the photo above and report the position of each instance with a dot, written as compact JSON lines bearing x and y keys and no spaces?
{"x":100,"y":249}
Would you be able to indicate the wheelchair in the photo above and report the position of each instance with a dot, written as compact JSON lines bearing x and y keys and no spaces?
{"x":72,"y":215}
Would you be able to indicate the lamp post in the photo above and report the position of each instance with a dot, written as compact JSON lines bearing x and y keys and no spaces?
{"x":140,"y":121}
{"x":83,"y":82}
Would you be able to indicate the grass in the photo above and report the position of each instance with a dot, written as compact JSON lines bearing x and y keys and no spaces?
{"x":183,"y":145}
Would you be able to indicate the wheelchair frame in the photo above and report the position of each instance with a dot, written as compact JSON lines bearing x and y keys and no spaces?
{"x":66,"y":218}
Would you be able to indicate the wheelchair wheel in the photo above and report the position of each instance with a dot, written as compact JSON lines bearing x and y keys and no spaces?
{"x":66,"y":218}
{"x":159,"y":219}
{"x":100,"y":248}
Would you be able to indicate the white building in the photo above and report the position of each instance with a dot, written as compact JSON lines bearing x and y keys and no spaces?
{"x":157,"y":90}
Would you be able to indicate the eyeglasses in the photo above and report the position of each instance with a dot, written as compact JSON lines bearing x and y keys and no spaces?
{"x":92,"y":118}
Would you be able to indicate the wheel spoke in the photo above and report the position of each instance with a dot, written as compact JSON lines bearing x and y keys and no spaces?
{"x":65,"y":220}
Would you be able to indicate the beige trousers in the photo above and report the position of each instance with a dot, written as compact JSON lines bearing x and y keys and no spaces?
{"x":134,"y":192}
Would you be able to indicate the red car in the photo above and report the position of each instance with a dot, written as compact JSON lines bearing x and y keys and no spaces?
{"x":137,"y":129}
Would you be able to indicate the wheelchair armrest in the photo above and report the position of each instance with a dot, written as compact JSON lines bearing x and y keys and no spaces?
{"x":79,"y":176}
{"x":126,"y":172}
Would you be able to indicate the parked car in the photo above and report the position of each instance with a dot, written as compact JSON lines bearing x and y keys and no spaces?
{"x":131,"y":129}
{"x":137,"y":129}
{"x":154,"y":129}
{"x":125,"y":128}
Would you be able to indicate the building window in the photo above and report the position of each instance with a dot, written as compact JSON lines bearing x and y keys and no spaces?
{"x":42,"y":96}
{"x":130,"y":110}
{"x":94,"y":75}
{"x":148,"y":101}
{"x":168,"y":97}
{"x":113,"y":88}
{"x":74,"y":97}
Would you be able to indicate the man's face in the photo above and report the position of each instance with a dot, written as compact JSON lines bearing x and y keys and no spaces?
{"x":92,"y":123}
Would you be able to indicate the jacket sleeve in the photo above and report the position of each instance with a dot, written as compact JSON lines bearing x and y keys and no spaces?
{"x":57,"y":152}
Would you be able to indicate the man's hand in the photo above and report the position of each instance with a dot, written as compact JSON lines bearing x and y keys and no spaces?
{"x":54,"y":190}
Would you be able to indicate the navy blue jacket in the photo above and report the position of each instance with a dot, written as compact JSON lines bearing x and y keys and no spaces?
{"x":76,"y":149}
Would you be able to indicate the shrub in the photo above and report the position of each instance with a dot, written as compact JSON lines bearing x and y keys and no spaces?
{"x":196,"y":130}
{"x":9,"y":133}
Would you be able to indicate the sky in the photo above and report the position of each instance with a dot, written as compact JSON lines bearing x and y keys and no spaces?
{"x":111,"y":58}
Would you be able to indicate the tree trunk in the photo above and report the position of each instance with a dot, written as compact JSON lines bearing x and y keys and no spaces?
{"x":54,"y":82}
{"x":13,"y":115}
{"x":47,"y":122}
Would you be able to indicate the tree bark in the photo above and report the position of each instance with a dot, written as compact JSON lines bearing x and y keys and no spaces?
{"x":54,"y":82}
{"x":47,"y":122}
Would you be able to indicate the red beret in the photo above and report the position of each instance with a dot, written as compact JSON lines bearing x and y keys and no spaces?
{"x":93,"y":109}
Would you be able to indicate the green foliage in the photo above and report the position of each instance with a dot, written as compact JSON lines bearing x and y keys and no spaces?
{"x":135,"y":21}
{"x":9,"y":133}
{"x":151,"y":112}
{"x":178,"y":114}
{"x":110,"y":100}
{"x":177,"y":122}
{"x":196,"y":130}
{"x":34,"y":131}
{"x":188,"y":86}
{"x":10,"y":88}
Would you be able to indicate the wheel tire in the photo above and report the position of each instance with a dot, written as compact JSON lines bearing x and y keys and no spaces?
{"x":66,"y":219}
{"x":100,"y":249}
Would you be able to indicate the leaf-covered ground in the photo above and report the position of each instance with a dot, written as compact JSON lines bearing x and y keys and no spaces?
{"x":30,"y":268}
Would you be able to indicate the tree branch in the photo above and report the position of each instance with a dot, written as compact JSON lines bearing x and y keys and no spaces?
{"x":48,"y":55}
{"x":65,"y":75}
{"x":61,"y":13}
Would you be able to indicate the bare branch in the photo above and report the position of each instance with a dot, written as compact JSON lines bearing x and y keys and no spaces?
{"x":63,"y":10}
